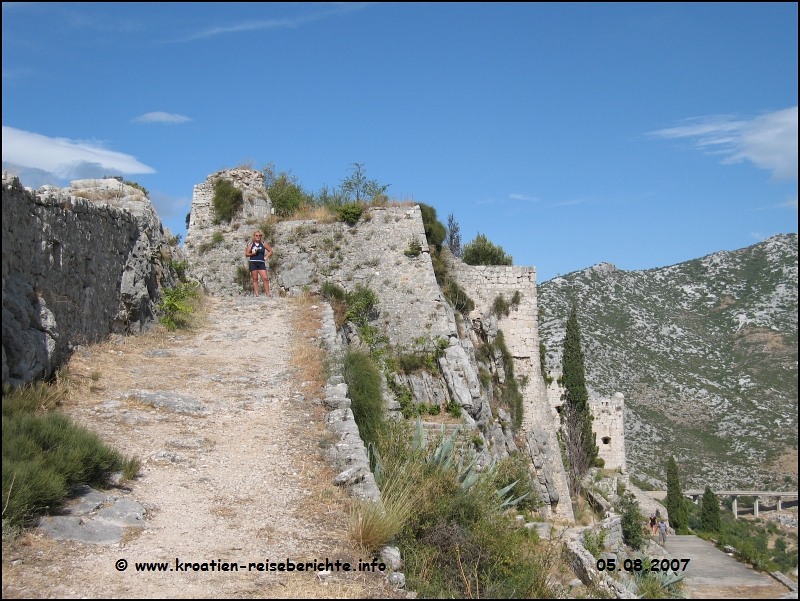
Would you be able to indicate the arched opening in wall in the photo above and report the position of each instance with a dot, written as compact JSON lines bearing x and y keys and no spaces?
{"x":606,"y":440}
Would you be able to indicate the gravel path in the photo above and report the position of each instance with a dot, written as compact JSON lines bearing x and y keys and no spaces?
{"x":241,"y":479}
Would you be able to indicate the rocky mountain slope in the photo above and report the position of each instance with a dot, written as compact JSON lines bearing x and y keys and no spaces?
{"x":706,"y":354}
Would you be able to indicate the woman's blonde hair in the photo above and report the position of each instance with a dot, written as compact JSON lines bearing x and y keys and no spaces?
{"x":258,"y":232}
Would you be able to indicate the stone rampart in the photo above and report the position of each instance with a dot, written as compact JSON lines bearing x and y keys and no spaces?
{"x":379,"y":252}
{"x":521,"y":333}
{"x":78,"y":264}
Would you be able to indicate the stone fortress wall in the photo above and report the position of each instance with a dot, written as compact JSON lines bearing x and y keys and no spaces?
{"x":412,"y":313}
{"x":521,"y":333}
{"x":78,"y":263}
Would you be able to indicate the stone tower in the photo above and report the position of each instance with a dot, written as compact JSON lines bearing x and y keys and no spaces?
{"x":609,"y":427}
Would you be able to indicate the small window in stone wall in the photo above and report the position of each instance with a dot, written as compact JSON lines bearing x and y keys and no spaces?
{"x":606,"y":440}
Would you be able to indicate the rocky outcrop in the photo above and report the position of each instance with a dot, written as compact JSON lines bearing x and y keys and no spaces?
{"x":78,"y":263}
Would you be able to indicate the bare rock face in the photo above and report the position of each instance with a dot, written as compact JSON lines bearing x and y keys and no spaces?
{"x":78,"y":264}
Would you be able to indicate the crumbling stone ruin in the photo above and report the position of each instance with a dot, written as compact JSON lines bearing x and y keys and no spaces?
{"x":257,"y":204}
{"x":78,"y":264}
{"x":609,"y":427}
{"x":608,"y":424}
{"x":413,"y":315}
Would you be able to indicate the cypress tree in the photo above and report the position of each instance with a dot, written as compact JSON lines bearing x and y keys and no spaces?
{"x":709,"y":512}
{"x":581,"y":444}
{"x":675,"y":502}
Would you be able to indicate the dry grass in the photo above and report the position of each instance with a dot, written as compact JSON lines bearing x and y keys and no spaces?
{"x":307,"y":355}
{"x":371,"y":524}
{"x":326,"y":214}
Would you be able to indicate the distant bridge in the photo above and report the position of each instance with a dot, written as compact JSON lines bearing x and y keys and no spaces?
{"x":694,"y":495}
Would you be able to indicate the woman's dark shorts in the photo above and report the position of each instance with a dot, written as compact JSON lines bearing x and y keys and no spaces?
{"x":258,"y":266}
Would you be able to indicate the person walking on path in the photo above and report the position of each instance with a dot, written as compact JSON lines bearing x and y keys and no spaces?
{"x":258,"y":253}
{"x":653,"y":524}
{"x":662,"y":533}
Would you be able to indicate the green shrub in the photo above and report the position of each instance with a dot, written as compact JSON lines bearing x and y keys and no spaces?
{"x":515,"y":469}
{"x":414,"y":248}
{"x":456,"y":542}
{"x":364,"y":386}
{"x":350,"y":212}
{"x":331,"y":291}
{"x":481,"y":251}
{"x":217,"y":238}
{"x":509,"y":394}
{"x":361,"y":303}
{"x":457,"y":298}
{"x":243,"y":278}
{"x":176,"y":304}
{"x":454,"y":409}
{"x":180,"y":269}
{"x":139,"y":187}
{"x":632,"y":520}
{"x":287,"y":196}
{"x":594,"y":541}
{"x":501,"y":306}
{"x":228,"y":200}
{"x":435,"y":231}
{"x":45,"y":454}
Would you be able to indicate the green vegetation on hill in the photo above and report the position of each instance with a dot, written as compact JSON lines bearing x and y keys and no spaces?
{"x":705,"y":353}
{"x":458,"y":542}
{"x":290,"y":198}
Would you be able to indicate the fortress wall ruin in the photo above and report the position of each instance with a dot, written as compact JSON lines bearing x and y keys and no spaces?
{"x":75,"y":270}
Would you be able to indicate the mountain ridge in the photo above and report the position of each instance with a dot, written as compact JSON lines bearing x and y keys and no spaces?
{"x":705,"y":352}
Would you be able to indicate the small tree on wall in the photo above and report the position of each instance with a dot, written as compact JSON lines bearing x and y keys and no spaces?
{"x":453,"y":239}
{"x":576,"y":416}
{"x":359,"y":188}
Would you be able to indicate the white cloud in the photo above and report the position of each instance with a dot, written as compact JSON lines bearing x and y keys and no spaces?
{"x":287,"y":22}
{"x":161,"y":117}
{"x":522,"y":197}
{"x":769,"y":141}
{"x":66,"y":159}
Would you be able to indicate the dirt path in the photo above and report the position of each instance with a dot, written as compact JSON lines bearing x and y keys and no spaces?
{"x":244,"y":482}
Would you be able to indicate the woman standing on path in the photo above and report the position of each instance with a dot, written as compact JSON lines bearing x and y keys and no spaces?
{"x":258,"y":262}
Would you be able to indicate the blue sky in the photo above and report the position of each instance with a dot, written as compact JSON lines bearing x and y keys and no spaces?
{"x":643,"y":135}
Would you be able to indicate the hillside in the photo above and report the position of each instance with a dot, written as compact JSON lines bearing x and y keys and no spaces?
{"x":706,"y":354}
